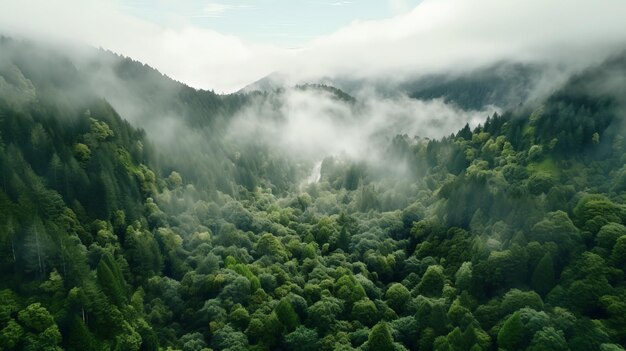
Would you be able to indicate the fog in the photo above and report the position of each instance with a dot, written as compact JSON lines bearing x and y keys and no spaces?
{"x":436,"y":36}
{"x":457,"y":35}
{"x":313,"y":124}
{"x":302,"y":123}
{"x":297,"y":125}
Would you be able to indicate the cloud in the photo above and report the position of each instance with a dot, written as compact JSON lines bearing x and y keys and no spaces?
{"x":197,"y":56}
{"x":215,"y":10}
{"x":455,"y":35}
{"x":342,"y":3}
{"x":435,"y":36}
{"x":399,"y":6}
{"x":310,"y":124}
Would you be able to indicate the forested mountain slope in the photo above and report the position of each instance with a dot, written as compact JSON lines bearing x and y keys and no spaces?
{"x":505,"y":84}
{"x":507,"y":236}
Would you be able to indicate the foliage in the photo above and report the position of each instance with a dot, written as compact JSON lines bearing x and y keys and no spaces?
{"x":506,"y":236}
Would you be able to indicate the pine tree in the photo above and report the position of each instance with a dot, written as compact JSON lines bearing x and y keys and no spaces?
{"x":36,"y":245}
{"x":109,"y":284}
{"x":79,"y":337}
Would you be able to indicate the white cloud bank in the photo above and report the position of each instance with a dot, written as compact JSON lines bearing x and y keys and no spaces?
{"x":444,"y":35}
{"x":199,"y":57}
{"x":435,"y":36}
{"x":309,"y":124}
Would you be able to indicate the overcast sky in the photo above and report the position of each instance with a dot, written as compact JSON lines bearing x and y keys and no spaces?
{"x":225,"y":45}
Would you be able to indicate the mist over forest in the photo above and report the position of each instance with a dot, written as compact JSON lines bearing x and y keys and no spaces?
{"x":437,"y":180}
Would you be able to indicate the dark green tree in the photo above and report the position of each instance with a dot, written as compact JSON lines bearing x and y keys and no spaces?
{"x":380,"y":338}
{"x":543,"y":277}
{"x":512,"y":332}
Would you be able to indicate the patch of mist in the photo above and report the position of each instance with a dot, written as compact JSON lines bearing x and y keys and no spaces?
{"x":311,"y":125}
{"x":316,"y":173}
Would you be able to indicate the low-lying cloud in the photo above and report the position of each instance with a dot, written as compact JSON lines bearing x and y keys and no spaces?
{"x":457,"y":35}
{"x":311,"y":124}
{"x":436,"y":36}
{"x":199,"y":57}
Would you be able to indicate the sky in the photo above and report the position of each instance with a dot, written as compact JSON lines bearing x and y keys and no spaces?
{"x":285,"y":23}
{"x":226,"y":45}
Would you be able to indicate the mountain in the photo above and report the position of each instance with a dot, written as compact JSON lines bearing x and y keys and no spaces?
{"x":503,"y":84}
{"x":197,"y":236}
{"x":273,"y":81}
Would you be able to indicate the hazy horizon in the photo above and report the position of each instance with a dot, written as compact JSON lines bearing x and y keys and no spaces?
{"x":393,"y":40}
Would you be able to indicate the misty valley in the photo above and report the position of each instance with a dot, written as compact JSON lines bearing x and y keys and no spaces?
{"x":476,"y":209}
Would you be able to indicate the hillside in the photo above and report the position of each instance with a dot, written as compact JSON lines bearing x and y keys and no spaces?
{"x":504,"y":84}
{"x":186,"y":235}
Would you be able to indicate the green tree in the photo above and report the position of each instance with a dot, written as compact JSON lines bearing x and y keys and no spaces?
{"x":42,"y":333}
{"x":592,"y":207}
{"x":287,"y":315}
{"x":512,"y":332}
{"x":79,"y":337}
{"x":516,"y":299}
{"x":324,"y":230}
{"x":397,"y":297}
{"x":192,"y":342}
{"x":323,"y":313}
{"x":36,"y":318}
{"x":239,"y":316}
{"x":110,"y":284}
{"x":464,"y":276}
{"x":11,"y":335}
{"x":365,"y":311}
{"x":380,"y":338}
{"x":616,"y":308}
{"x":100,"y":130}
{"x":174,"y":180}
{"x":227,"y":338}
{"x":548,"y":339}
{"x":82,"y":153}
{"x":302,"y":338}
{"x":558,"y":228}
{"x":543,"y":278}
{"x":618,"y":255}
{"x":349,"y":290}
{"x":608,"y":235}
{"x":269,"y":245}
{"x":432,"y":282}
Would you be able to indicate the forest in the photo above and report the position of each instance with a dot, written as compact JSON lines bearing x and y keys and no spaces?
{"x":508,"y":235}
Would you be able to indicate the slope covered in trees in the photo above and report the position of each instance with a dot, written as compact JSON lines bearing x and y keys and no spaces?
{"x":507,"y":236}
{"x":503,"y":84}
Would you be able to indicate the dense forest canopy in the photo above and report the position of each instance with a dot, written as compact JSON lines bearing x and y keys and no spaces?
{"x":137,"y":213}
